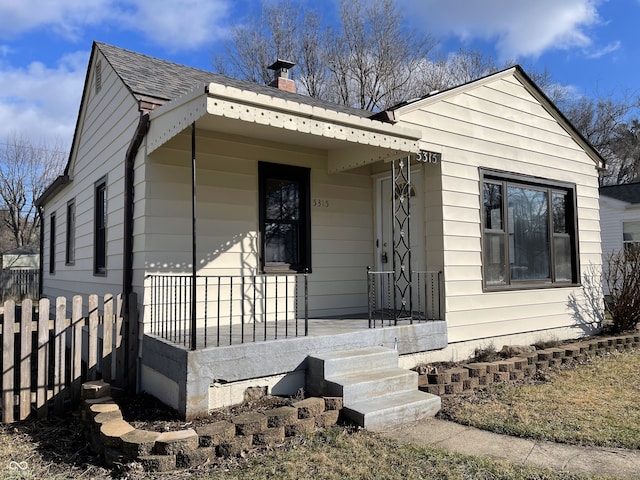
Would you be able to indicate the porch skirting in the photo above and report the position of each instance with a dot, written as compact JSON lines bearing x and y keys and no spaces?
{"x":183,"y":379}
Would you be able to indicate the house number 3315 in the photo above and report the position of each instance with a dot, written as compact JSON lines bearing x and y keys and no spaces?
{"x":320,"y":203}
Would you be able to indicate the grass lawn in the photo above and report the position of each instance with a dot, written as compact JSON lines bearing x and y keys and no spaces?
{"x":595,"y":403}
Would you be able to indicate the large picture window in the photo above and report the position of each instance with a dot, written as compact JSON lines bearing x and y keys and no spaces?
{"x":529,"y":232}
{"x":285,"y":227}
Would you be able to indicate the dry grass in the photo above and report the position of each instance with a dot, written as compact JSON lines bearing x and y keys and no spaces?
{"x":593,"y":404}
{"x":333,"y":454}
{"x":57,"y":451}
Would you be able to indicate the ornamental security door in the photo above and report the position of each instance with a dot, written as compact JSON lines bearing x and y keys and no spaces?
{"x":401,"y":246}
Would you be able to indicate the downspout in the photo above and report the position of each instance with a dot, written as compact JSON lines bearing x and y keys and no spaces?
{"x":127,"y":270}
{"x":41,"y":253}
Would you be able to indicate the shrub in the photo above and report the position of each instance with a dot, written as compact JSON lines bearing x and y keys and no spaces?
{"x":622,"y":279}
{"x":485,"y":353}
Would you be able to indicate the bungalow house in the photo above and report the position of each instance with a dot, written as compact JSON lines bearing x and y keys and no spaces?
{"x":258,"y":226}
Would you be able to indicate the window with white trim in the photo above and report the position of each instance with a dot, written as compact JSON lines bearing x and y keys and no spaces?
{"x":631,"y":236}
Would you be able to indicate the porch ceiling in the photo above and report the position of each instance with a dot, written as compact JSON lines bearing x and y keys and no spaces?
{"x":350,"y":141}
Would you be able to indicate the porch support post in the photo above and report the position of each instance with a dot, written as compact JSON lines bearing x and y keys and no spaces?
{"x":401,"y":234}
{"x":192,"y":342}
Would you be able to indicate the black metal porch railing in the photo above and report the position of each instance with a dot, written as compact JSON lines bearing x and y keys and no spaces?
{"x":383,"y":304}
{"x":231,"y":309}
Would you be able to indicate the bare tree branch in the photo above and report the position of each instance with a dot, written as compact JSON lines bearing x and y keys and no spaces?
{"x":26,"y":170}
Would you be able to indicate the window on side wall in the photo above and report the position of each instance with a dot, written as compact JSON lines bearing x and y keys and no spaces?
{"x":631,"y":236}
{"x":70,"y":249}
{"x":529,"y":232}
{"x":285,"y":224}
{"x":100,"y":229}
{"x":52,"y":243}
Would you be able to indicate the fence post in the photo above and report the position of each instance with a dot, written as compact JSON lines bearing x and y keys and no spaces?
{"x":59,"y":371}
{"x":25,"y":358}
{"x":8,"y":357}
{"x":43,"y":358}
{"x":92,"y":357}
{"x":107,"y":338}
{"x":119,"y":347}
{"x":76,"y":349}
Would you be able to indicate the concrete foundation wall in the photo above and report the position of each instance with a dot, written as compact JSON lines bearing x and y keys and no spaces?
{"x":199,"y":374}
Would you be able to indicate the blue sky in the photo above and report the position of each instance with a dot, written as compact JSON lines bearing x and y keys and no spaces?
{"x":592,"y":47}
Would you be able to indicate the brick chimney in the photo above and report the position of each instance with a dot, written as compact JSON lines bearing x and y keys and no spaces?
{"x":282,"y":80}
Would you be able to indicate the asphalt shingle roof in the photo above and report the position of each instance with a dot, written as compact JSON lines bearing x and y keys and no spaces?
{"x":629,"y":192}
{"x":147,"y":76}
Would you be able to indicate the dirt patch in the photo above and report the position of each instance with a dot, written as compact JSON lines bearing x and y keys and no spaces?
{"x":147,"y":413}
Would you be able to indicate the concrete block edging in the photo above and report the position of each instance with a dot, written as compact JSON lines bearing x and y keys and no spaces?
{"x":117,"y":441}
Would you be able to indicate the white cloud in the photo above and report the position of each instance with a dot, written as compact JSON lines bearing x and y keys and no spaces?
{"x":176,"y":24}
{"x":612,"y":47}
{"x":42,"y":102}
{"x":519,"y":28}
{"x":180,"y":24}
{"x":64,"y":17}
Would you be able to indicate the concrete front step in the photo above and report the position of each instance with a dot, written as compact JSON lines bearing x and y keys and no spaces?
{"x":383,"y":412}
{"x":344,"y":362}
{"x":376,"y":393}
{"x":371,"y":383}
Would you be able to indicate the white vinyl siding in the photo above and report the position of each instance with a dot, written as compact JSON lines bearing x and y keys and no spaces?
{"x":106,"y":125}
{"x":499,"y":125}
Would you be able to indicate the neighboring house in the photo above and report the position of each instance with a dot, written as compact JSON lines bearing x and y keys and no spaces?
{"x":294,"y":199}
{"x":20,"y":273}
{"x":619,"y":217}
{"x":21,"y":258}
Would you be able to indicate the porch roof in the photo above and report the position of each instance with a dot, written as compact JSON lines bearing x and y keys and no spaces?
{"x":350,"y":140}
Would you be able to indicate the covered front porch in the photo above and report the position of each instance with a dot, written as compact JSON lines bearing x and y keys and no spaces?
{"x":226,"y":311}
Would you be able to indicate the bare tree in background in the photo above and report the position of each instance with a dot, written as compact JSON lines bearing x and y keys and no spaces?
{"x":458,"y":68}
{"x":26,"y":170}
{"x":275,"y":31}
{"x":372,"y":59}
{"x":369,"y":61}
{"x":605,"y":122}
{"x":626,"y":149}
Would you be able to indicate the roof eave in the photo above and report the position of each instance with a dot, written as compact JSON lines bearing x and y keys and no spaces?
{"x":52,"y":190}
{"x":222,"y":101}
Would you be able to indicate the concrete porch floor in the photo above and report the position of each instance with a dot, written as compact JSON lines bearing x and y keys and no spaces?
{"x":283,"y":330}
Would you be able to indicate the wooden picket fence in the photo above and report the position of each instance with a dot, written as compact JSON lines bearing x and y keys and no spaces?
{"x":46,"y":356}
